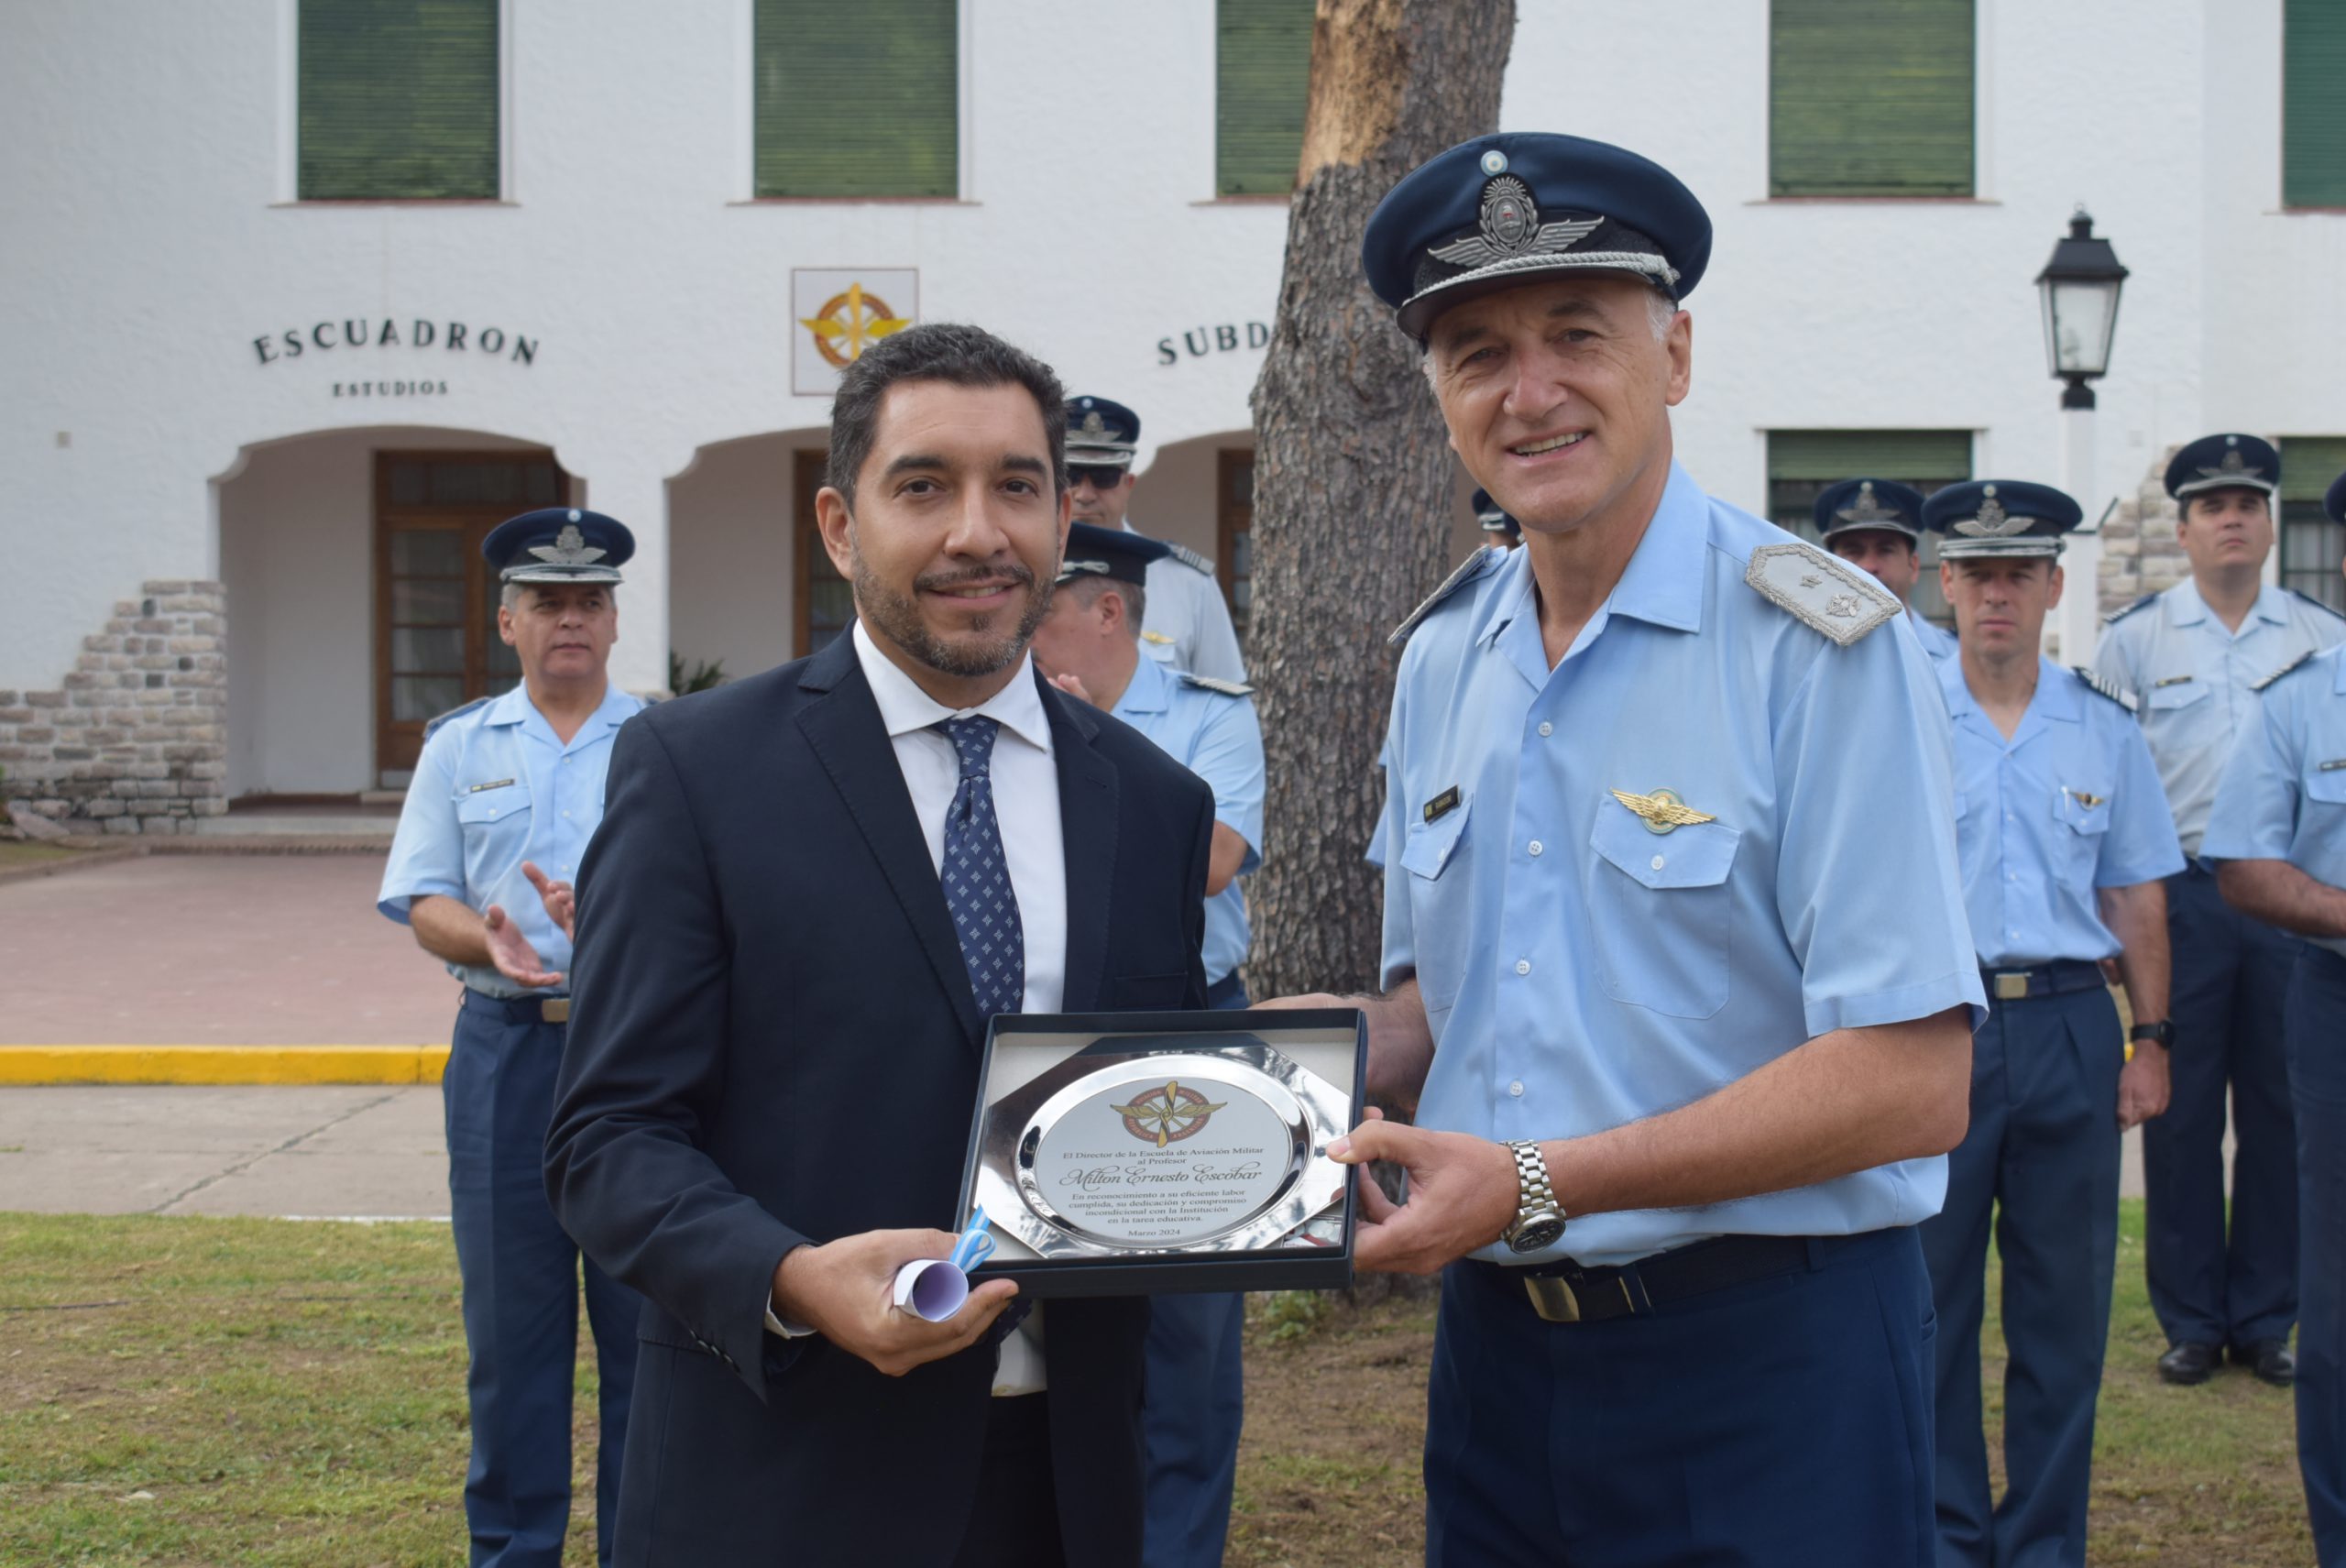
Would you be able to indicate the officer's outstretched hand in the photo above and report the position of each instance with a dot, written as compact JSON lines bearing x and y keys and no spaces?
{"x":2142,"y":1086}
{"x":1463,"y":1193}
{"x":561,"y":902}
{"x":511,"y":953}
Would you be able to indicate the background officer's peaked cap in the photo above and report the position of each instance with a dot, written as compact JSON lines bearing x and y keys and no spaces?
{"x":1984,"y":518}
{"x":1101,"y":433}
{"x":1526,"y":205}
{"x":2224,"y":462}
{"x":1882,"y":504}
{"x":559,"y":544}
{"x":1109,"y":553}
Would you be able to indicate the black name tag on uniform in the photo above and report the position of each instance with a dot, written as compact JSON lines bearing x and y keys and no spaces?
{"x":1442,"y":804}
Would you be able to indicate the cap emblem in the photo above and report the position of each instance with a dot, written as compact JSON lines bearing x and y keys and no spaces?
{"x":1993,"y":522}
{"x":1093,"y":424}
{"x":2232,"y":467}
{"x":569,"y":549}
{"x":1509,"y":227}
{"x":1869,"y":510}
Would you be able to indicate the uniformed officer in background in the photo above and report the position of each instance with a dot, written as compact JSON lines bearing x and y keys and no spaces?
{"x":1685,"y":1032}
{"x":2063,"y":837}
{"x":1498,"y":527}
{"x":1877,"y":524}
{"x":2190,"y":654}
{"x":1189,"y":625}
{"x":1089,"y":646}
{"x":504,"y":798}
{"x":2278,"y":829}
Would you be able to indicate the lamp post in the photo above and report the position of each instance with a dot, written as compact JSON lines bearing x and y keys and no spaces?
{"x":2079,"y":289}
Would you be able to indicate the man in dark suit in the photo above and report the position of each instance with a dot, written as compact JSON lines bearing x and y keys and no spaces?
{"x":810,"y":890}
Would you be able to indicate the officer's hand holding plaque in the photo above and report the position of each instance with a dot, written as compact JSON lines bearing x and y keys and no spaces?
{"x":1125,"y":1154}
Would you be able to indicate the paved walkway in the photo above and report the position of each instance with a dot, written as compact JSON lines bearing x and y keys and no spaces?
{"x":215,"y":949}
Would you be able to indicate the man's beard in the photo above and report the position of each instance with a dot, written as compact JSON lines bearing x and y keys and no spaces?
{"x":898,"y":617}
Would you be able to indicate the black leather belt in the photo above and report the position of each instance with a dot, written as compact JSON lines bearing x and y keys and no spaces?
{"x":521,"y":1009}
{"x":2061,"y":976}
{"x":1565,"y":1292}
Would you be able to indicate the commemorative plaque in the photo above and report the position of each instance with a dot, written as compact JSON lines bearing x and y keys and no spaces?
{"x":1134,"y":1152}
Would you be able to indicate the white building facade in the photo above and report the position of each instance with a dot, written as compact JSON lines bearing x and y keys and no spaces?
{"x":252,"y":432}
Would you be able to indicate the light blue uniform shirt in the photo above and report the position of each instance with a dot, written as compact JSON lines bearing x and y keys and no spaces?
{"x":2192,"y":677}
{"x":2069,"y":804}
{"x":1216,"y":736}
{"x":2283,"y":796}
{"x":1580,"y":970}
{"x":1936,"y":639}
{"x":493,"y":788}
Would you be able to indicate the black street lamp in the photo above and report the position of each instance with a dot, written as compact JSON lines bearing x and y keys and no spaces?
{"x":2079,"y":288}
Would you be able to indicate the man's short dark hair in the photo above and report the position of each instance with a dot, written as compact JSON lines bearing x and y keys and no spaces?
{"x":952,"y":352}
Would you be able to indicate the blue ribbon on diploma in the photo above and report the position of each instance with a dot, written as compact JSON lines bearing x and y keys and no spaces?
{"x":977,"y":1243}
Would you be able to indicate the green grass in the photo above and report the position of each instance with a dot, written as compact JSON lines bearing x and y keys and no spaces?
{"x":257,"y":1391}
{"x":16,"y":852}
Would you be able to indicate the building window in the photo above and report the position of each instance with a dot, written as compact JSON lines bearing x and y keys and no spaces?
{"x":1234,"y":531}
{"x":2313,"y":114}
{"x":823,"y":602}
{"x":2312,"y":545}
{"x":399,"y":100}
{"x":1871,"y":100}
{"x":858,"y":100}
{"x":1802,"y":463}
{"x":1262,"y":69}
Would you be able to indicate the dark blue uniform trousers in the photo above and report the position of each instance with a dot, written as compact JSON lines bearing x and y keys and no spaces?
{"x":2317,"y":1011}
{"x":521,"y":1296}
{"x":2043,"y":1154}
{"x":1196,"y":1403}
{"x":2231,"y":975}
{"x":1784,"y":1422}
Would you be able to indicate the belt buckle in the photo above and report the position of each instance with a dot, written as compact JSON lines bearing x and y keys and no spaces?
{"x":1552,"y":1297}
{"x":554,"y":1010}
{"x":2011,"y":987}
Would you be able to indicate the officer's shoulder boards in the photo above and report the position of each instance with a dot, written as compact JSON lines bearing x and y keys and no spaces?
{"x":2097,"y":681}
{"x":1473,"y":567}
{"x":1216,"y":683}
{"x":2317,"y":604}
{"x":1822,"y":590}
{"x":432,"y":727}
{"x":1191,"y":558}
{"x":2115,"y":616}
{"x":2294,"y":664}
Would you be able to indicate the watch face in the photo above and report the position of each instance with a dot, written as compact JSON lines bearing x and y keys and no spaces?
{"x":1537,"y":1231}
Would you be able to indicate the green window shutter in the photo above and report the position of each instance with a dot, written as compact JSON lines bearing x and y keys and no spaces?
{"x":1261,"y":71}
{"x":398,"y":99}
{"x":2311,"y":543}
{"x":2308,"y":463}
{"x":2313,"y":113}
{"x":1924,"y":458}
{"x":1871,"y":98}
{"x":858,"y":100}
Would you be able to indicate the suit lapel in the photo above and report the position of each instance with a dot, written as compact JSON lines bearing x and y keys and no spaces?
{"x":1088,"y":819}
{"x":841,"y":723}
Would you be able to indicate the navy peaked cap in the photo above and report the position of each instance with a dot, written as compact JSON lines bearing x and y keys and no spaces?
{"x":2001,"y":517}
{"x":1101,"y":433}
{"x":2224,"y":462}
{"x":1493,"y":516}
{"x":559,"y":544}
{"x":1520,"y":206}
{"x":1109,"y":553}
{"x":2334,"y":502}
{"x":1869,"y":503}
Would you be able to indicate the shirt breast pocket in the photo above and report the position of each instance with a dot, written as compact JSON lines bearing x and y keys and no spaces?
{"x":1434,"y":854}
{"x":496,"y":826}
{"x":2085,"y":813}
{"x":2325,"y":787}
{"x":1662,"y":910}
{"x":2168,"y":699}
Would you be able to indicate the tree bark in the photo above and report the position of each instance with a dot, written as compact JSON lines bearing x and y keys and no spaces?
{"x":1351,"y":473}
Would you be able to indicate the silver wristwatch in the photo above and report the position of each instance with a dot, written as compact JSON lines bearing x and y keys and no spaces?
{"x":1538,"y":1218}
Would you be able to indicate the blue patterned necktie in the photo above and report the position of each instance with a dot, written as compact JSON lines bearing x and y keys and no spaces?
{"x":976,"y":876}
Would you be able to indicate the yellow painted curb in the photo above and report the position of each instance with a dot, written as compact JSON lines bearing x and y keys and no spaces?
{"x":26,"y":1065}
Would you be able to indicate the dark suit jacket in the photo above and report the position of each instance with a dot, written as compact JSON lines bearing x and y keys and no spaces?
{"x":773,"y":1041}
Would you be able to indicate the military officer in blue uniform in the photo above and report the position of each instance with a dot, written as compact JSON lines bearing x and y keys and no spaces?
{"x":1189,"y":625}
{"x":2278,"y":830}
{"x":2065,"y":837}
{"x":1686,"y":1036}
{"x":505,"y":796}
{"x":2192,"y":654}
{"x":1877,"y":525}
{"x":1498,"y":528}
{"x":1089,"y":646}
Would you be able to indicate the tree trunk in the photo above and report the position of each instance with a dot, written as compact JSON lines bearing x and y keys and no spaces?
{"x":1351,"y":473}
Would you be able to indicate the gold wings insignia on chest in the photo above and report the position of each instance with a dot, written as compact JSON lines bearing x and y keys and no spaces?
{"x":1661,"y":811}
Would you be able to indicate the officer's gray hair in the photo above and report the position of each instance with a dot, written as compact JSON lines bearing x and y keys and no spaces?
{"x":1088,"y":589}
{"x":509,"y":595}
